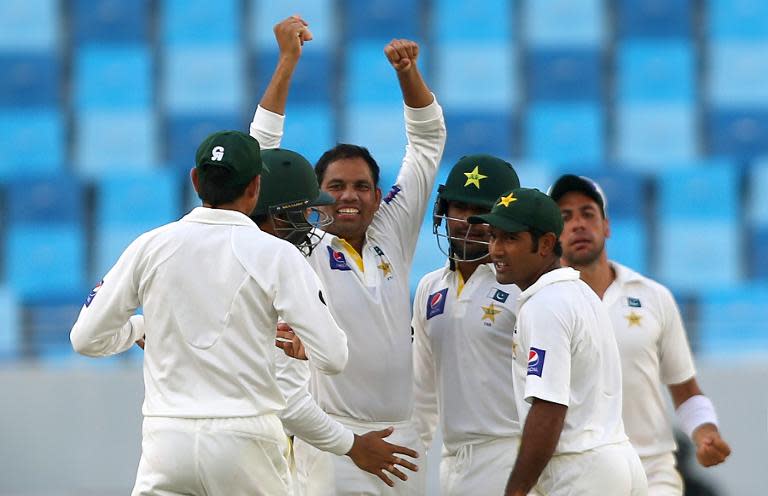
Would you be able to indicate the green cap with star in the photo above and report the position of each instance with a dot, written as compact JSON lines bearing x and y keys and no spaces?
{"x":478,"y":180}
{"x":523,"y":209}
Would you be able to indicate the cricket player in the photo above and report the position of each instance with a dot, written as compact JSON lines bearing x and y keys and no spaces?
{"x":211,"y":286}
{"x":364,"y":261}
{"x":567,"y":375}
{"x":652,"y":342}
{"x":463,"y":322}
{"x":287,"y":208}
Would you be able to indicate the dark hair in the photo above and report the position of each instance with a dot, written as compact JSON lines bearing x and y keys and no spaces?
{"x":259,"y":219}
{"x":342,"y":151}
{"x":536,"y":235}
{"x":214,"y":185}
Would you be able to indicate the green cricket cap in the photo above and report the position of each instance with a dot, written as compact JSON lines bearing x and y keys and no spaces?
{"x":288,"y":182}
{"x":233,"y":150}
{"x":479,"y":180}
{"x":522,"y":209}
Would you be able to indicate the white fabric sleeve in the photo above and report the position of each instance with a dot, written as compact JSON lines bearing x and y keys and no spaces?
{"x":402,"y":208}
{"x":107,"y":324}
{"x":267,"y":128}
{"x":426,"y":408}
{"x":549,"y":364}
{"x":300,"y":301}
{"x":675,"y":358}
{"x":302,"y":416}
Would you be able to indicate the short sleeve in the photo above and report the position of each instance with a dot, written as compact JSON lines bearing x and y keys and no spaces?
{"x":675,"y":359}
{"x":549,"y":353}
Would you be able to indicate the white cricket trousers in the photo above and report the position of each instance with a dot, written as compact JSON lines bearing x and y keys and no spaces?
{"x":481,"y":468}
{"x":662,"y":474}
{"x":613,"y":470}
{"x":319,"y":473}
{"x":243,"y":456}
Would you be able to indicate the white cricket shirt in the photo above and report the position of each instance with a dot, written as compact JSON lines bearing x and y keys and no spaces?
{"x":373,"y":305}
{"x":654,"y":352}
{"x":463,"y":357}
{"x":566,"y":353}
{"x":211,"y":286}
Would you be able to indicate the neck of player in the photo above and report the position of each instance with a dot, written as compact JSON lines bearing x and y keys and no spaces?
{"x":598,"y":274}
{"x":468,"y":268}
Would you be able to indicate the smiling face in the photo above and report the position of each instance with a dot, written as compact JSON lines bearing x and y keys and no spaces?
{"x":515,"y":258}
{"x":350,"y":182}
{"x":585,"y":229}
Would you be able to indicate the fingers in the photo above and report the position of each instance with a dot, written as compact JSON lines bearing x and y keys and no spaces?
{"x":381,"y":475}
{"x":385,"y":432}
{"x":406,"y":464}
{"x":402,"y":54}
{"x":394,"y":471}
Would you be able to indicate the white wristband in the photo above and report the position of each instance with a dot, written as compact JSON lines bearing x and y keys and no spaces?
{"x":695,"y":411}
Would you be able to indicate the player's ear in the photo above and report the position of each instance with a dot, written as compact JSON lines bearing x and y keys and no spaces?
{"x":547,"y":243}
{"x":378,"y":197}
{"x":606,"y":228}
{"x":195,"y":179}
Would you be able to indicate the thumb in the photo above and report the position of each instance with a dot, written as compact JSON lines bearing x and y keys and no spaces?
{"x":385,"y":432}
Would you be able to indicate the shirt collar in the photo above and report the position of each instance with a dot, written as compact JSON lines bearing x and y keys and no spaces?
{"x":486,"y":266}
{"x":551,"y":277}
{"x":624,"y":274}
{"x":206,"y":215}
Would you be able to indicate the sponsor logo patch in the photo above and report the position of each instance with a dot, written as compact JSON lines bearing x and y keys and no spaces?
{"x":436,"y":303}
{"x":92,"y":294}
{"x":337,"y":260}
{"x":536,"y":361}
{"x":392,"y":194}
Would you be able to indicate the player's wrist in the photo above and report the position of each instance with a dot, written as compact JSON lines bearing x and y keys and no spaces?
{"x":696,"y":412}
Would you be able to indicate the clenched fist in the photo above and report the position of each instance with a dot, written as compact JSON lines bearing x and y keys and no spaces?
{"x":291,"y":34}
{"x":402,"y":54}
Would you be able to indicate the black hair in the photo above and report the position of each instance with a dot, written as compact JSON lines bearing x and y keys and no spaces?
{"x":342,"y":151}
{"x":214,"y":185}
{"x":536,"y":235}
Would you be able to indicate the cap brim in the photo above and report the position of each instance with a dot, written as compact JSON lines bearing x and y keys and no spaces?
{"x":570,"y":182}
{"x":323,"y":199}
{"x":499,"y":221}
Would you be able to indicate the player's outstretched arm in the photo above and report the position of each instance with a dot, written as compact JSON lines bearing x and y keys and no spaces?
{"x":370,"y":452}
{"x":403,"y":55}
{"x":540,"y":436}
{"x":290,"y":34}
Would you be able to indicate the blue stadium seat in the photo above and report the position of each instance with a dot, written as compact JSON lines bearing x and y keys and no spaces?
{"x":738,"y":133}
{"x":558,"y":23}
{"x":45,"y":261}
{"x":369,"y":76}
{"x":758,"y":255}
{"x":708,"y":192}
{"x":309,"y":129}
{"x":699,"y":253}
{"x":204,"y":79}
{"x":539,"y":175}
{"x":650,"y":136}
{"x":478,"y":132}
{"x":33,"y":140}
{"x":49,"y":323}
{"x":473,"y":22}
{"x":628,"y":243}
{"x":200,"y":23}
{"x":383,"y":19}
{"x":476,"y":77}
{"x":626,"y":191}
{"x":30,"y":79}
{"x":11,"y":339}
{"x":110,"y":242}
{"x":738,"y":74}
{"x":107,"y":141}
{"x":654,"y":18}
{"x":733,"y":319}
{"x":30,"y":24}
{"x":656,"y":71}
{"x":381,"y":129}
{"x":113,"y":77}
{"x":312,"y":82}
{"x":110,"y":21}
{"x":147,"y":199}
{"x":322,"y":16}
{"x":737,"y":19}
{"x":757,"y":192}
{"x":45,"y":200}
{"x":565,"y":133}
{"x":564,"y":74}
{"x":185,"y":132}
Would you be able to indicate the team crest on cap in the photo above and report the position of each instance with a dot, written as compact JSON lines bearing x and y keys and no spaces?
{"x":217,"y":153}
{"x":474,"y":177}
{"x":506,"y":200}
{"x":536,"y":361}
{"x":92,"y":294}
{"x":337,"y":260}
{"x":436,"y":303}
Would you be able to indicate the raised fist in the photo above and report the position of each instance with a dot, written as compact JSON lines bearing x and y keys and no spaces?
{"x":291,"y":35}
{"x":402,"y":54}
